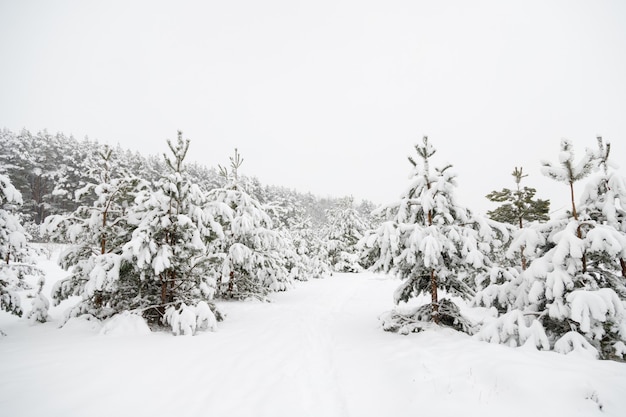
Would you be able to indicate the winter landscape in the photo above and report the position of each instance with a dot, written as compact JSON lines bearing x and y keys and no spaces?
{"x":316,"y":350}
{"x":312,"y":208}
{"x":417,"y":306}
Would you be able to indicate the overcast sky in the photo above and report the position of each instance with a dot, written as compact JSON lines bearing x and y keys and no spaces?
{"x":326,"y":96}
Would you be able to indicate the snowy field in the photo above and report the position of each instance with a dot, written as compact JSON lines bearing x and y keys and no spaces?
{"x":316,"y":350}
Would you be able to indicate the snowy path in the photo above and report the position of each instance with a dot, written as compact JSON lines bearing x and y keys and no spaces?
{"x":303,"y":353}
{"x":317,"y":350}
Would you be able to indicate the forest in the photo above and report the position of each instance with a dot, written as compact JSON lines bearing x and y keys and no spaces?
{"x":167,"y":241}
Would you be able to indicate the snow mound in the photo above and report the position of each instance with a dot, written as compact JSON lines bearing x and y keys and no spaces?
{"x":125,"y":324}
{"x":573,"y":343}
{"x":81,"y":324}
{"x":186,"y":320}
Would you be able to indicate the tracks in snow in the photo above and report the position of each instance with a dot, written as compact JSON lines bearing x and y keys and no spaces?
{"x":299,"y":355}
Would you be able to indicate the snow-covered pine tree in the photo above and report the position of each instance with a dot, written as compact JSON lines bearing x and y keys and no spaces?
{"x":168,"y":250}
{"x":434,"y":245}
{"x":570,"y":297}
{"x":287,"y":214}
{"x":604,"y":202}
{"x":309,"y":258}
{"x":344,"y":229}
{"x":603,"y":222}
{"x":15,"y":253}
{"x":252,"y":262}
{"x":520,"y":209}
{"x":99,"y":274}
{"x":11,"y":240}
{"x":304,"y":255}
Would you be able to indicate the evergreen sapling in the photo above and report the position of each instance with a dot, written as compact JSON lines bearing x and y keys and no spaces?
{"x":434,"y":245}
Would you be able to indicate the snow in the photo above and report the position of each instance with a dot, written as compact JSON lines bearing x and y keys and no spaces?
{"x":315,"y":350}
{"x":125,"y":324}
{"x":512,"y":326}
{"x":596,"y":305}
{"x":8,"y":192}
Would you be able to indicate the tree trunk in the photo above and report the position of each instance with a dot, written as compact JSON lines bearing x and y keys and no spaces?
{"x":579,"y":232}
{"x":163,"y":289}
{"x":571,"y":190}
{"x":521,"y":249}
{"x":172,"y":286}
{"x":434,"y":297}
{"x":103,"y":240}
{"x":622,"y":263}
{"x":231,"y":285}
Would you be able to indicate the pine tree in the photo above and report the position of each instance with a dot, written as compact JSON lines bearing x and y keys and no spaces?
{"x":141,"y":248}
{"x":252,"y":262}
{"x":168,"y":250}
{"x":520,"y":206}
{"x":571,"y":296}
{"x":15,"y":254}
{"x":344,"y":230}
{"x":604,"y":202}
{"x":11,"y":238}
{"x":433,"y":244}
{"x":97,"y":232}
{"x":303,"y":252}
{"x":570,"y":172}
{"x":310,"y":253}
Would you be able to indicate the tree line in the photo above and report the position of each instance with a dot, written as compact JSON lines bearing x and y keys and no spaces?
{"x":158,"y":236}
{"x":165,"y":239}
{"x":551,"y":283}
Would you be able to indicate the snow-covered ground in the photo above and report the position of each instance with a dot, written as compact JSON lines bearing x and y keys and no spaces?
{"x":316,"y":350}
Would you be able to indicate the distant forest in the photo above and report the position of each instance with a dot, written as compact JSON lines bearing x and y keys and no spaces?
{"x":49,"y":169}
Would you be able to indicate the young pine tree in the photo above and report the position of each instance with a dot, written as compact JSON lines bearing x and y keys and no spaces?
{"x":12,"y":239}
{"x":168,"y":252}
{"x":140,"y":248}
{"x":604,"y":202}
{"x":519,"y":210}
{"x":571,"y":297}
{"x":312,"y":258}
{"x":433,"y":244}
{"x":344,"y":230}
{"x":252,"y":262}
{"x":15,"y":254}
{"x":520,"y":207}
{"x":303,"y":244}
{"x":99,"y":273}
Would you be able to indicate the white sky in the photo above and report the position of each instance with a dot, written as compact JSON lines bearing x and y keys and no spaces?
{"x":326,"y":96}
